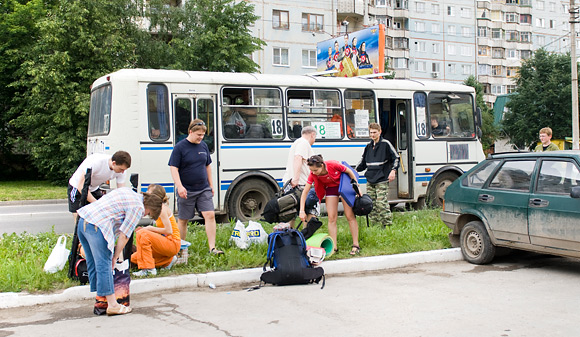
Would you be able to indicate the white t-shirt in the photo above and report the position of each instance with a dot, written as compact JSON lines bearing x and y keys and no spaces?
{"x":99,"y":162}
{"x":301,"y":147}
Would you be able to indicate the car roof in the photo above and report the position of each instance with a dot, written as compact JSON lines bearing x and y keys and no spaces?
{"x":546,"y":154}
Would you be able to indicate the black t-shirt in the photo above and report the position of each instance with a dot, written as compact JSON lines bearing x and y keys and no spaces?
{"x":191,"y":160}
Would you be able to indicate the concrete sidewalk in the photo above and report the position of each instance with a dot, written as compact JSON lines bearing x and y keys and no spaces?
{"x":228,"y":278}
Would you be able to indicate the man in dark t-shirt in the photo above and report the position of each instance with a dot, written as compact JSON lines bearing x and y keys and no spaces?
{"x":190,"y":165}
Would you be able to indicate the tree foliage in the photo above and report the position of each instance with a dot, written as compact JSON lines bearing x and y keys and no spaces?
{"x":543,"y":99}
{"x":53,"y":50}
{"x":489,"y":131}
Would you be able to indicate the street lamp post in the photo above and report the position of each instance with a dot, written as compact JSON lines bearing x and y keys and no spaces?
{"x":574,"y":64}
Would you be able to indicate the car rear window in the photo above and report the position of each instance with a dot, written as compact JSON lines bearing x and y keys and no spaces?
{"x":557,"y":177}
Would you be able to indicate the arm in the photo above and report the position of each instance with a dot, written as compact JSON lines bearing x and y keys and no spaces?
{"x":177,"y":181}
{"x":209,"y":180}
{"x":303,"y":197}
{"x":121,"y":242}
{"x":167,"y":229}
{"x":297,"y":168}
{"x":362,"y":165}
{"x":395,"y":167}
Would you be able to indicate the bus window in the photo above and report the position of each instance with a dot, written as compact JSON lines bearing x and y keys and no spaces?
{"x":420,"y":114}
{"x":360,"y":112}
{"x":319,"y":108}
{"x":158,"y":112}
{"x":205,"y":111}
{"x":100,"y":111}
{"x":252,"y":113}
{"x":183,"y":113}
{"x":451,"y":115}
{"x":402,"y":111}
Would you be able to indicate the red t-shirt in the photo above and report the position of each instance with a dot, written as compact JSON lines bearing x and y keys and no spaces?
{"x":332,"y":179}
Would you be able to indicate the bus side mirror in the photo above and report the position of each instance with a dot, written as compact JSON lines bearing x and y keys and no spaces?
{"x":479,"y":132}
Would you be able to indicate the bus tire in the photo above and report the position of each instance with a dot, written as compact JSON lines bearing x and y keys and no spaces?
{"x":438,"y":188}
{"x":248,"y":199}
{"x":419,"y":205}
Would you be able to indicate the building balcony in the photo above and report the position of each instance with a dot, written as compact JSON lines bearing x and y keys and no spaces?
{"x":397,"y":33}
{"x":400,"y":13}
{"x":388,"y":11}
{"x":402,"y":73}
{"x":351,"y":7}
{"x":398,"y":53}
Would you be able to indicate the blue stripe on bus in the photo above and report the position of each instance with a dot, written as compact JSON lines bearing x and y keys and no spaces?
{"x":157,"y":148}
{"x":288,"y":146}
{"x":107,"y":148}
{"x":423,"y":176}
{"x":169,"y":187}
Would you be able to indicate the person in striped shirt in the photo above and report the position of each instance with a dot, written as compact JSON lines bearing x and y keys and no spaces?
{"x":104,"y":229}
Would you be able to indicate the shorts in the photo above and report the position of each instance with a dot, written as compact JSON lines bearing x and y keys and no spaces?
{"x":74,"y":197}
{"x":312,"y":205}
{"x":332,"y":191}
{"x":200,"y":201}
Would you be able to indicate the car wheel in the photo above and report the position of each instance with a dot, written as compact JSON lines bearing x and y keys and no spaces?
{"x":248,"y":199}
{"x":476,"y":245}
{"x":438,"y":187}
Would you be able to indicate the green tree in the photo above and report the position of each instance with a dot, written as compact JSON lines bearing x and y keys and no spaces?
{"x":207,"y":35}
{"x":543,"y":98}
{"x":490,"y":132}
{"x":77,"y":42}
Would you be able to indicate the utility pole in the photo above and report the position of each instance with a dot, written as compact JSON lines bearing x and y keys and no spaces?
{"x":573,"y":21}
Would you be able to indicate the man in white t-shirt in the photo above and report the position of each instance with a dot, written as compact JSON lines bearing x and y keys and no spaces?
{"x":296,"y":168}
{"x":104,"y":168}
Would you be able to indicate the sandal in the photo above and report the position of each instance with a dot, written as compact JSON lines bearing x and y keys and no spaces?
{"x":215,"y":251}
{"x":121,"y":310}
{"x":355,"y":250}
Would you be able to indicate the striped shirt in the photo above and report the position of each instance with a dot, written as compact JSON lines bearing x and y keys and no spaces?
{"x":117,"y":211}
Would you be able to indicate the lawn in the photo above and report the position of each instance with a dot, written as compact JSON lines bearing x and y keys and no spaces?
{"x":23,"y":255}
{"x":30,"y":190}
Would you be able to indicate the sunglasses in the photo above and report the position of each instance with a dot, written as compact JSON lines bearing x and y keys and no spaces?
{"x":199,"y":124}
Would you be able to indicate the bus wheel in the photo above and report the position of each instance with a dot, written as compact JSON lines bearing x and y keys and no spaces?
{"x":438,"y":188}
{"x":420,"y":204}
{"x":248,"y":199}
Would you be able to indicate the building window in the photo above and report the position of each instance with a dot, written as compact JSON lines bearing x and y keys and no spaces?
{"x":511,"y":2}
{"x":497,"y":89}
{"x":525,"y":54}
{"x":451,"y":49}
{"x":451,"y":68}
{"x":465,"y":31}
{"x":496,"y":33}
{"x":525,"y":36}
{"x":435,"y":28}
{"x":511,"y":35}
{"x":465,"y":12}
{"x":420,"y":66}
{"x":540,"y":5}
{"x":281,"y":57}
{"x":280,"y":19}
{"x":497,"y":53}
{"x":511,"y":71}
{"x":496,"y":70}
{"x":466,"y":51}
{"x":397,"y":24}
{"x":540,"y":22}
{"x":312,"y":22}
{"x":435,"y":9}
{"x":381,"y":3}
{"x":435,"y":67}
{"x":401,"y":43}
{"x":420,"y":46}
{"x":552,"y":6}
{"x":401,"y":4}
{"x":541,"y":40}
{"x":420,"y":26}
{"x":510,"y":88}
{"x":482,"y":31}
{"x":512,"y":54}
{"x":525,"y":2}
{"x":309,"y":58}
{"x":451,"y":30}
{"x":436,"y":48}
{"x":526,"y":19}
{"x":420,"y":7}
{"x":483,"y":69}
{"x":401,"y":63}
{"x":466,"y":69}
{"x":552,"y":23}
{"x":511,"y":17}
{"x":483,"y":51}
{"x":450,"y":11}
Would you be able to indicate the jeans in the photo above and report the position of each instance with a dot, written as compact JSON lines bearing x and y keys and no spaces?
{"x":99,"y":258}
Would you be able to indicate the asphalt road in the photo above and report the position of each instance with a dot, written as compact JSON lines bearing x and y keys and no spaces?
{"x":35,"y":217}
{"x":518,"y":295}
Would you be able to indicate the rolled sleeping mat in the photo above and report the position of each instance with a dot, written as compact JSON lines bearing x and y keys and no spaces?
{"x":322,"y":240}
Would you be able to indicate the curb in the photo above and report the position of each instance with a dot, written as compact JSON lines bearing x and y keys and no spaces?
{"x":33,"y":202}
{"x":226,"y":278}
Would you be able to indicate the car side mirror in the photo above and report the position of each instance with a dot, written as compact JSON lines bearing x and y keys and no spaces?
{"x":575,"y":193}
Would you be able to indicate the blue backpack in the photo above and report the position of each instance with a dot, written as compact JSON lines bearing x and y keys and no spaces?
{"x":288,"y":262}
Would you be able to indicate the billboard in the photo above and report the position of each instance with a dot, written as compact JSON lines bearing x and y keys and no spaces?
{"x":353,"y":54}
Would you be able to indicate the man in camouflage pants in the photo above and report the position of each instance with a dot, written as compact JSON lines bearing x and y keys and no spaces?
{"x":381,"y":162}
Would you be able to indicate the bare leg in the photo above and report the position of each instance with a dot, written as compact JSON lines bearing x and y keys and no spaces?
{"x":332,"y":209}
{"x":352,"y":224}
{"x":182,"y":225}
{"x":210,"y":228}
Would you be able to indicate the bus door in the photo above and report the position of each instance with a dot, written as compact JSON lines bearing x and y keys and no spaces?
{"x":187,"y":107}
{"x":393,"y":125}
{"x":405,"y":173}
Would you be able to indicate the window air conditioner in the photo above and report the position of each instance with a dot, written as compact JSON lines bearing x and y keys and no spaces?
{"x":435,"y":74}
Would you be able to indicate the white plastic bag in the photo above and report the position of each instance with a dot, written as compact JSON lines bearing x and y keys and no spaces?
{"x":239,"y":236}
{"x":58,"y":256}
{"x":256,"y":233}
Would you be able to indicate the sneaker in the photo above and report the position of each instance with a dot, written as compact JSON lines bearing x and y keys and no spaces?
{"x":145,"y":272}
{"x":171,"y":263}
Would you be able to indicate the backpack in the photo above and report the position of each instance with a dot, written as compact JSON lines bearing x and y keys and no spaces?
{"x":363,"y":205}
{"x":284,"y":206}
{"x":288,"y":261}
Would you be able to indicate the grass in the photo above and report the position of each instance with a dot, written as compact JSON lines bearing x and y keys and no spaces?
{"x":23,"y":255}
{"x":30,"y":190}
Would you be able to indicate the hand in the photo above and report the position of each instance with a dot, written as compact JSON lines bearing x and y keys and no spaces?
{"x":302,"y":215}
{"x":182,"y":192}
{"x":212,"y":191}
{"x":294,"y":182}
{"x":354,"y":182}
{"x":392,"y":175}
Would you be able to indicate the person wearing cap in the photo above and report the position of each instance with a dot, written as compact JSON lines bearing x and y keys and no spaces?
{"x":190,"y":165}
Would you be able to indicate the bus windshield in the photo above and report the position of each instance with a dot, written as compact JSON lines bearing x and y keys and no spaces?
{"x":451,"y":115}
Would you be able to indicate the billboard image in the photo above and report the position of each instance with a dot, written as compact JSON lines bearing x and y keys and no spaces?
{"x":353,"y":54}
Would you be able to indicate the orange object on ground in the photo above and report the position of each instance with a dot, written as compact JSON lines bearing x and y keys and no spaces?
{"x":156,"y":250}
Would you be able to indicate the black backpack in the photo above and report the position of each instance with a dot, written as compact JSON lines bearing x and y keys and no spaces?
{"x":288,"y":261}
{"x":284,"y":206}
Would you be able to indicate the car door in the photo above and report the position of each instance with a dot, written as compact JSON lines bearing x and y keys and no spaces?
{"x":552,"y":214}
{"x":504,"y":202}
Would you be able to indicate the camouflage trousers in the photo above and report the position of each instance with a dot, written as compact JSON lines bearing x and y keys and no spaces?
{"x":381,"y":214}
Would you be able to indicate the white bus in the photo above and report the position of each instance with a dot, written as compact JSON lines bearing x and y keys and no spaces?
{"x":253,"y":119}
